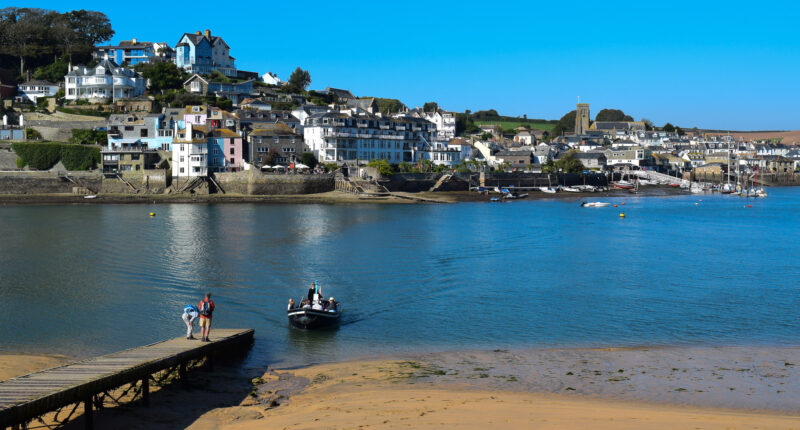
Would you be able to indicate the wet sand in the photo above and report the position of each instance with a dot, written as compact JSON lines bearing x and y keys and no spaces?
{"x":13,"y":365}
{"x":611,"y":388}
{"x":331,"y":197}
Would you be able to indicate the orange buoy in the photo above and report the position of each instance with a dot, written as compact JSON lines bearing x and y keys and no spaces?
{"x":749,"y":206}
{"x":623,"y":203}
{"x":615,"y":205}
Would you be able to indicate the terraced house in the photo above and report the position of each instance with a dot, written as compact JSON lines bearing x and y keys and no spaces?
{"x":153,"y":131}
{"x":274,"y":144}
{"x":343,"y":136}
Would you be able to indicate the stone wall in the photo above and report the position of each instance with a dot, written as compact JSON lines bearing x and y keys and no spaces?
{"x":255,"y":183}
{"x":416,"y":182}
{"x":46,"y":182}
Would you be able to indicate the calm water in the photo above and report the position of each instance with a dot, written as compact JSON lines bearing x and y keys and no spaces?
{"x":85,"y":280}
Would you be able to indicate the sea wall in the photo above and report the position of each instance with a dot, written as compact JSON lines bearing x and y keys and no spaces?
{"x":153,"y":181}
{"x":255,"y":183}
{"x":47,"y":182}
{"x":415,"y":182}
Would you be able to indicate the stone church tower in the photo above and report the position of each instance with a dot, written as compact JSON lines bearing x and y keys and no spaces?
{"x":582,"y":118}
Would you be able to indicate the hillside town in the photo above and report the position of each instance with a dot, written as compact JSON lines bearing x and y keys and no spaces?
{"x":249,"y":120}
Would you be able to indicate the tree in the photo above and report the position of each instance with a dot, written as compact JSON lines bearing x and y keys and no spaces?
{"x":272,"y":154}
{"x":430,"y":107}
{"x":309,"y":159}
{"x":612,"y":115}
{"x":566,"y":124}
{"x":53,"y":72}
{"x":648,"y":125}
{"x":669,"y":128}
{"x":162,"y":75}
{"x":569,"y":163}
{"x":383,"y":167}
{"x":299,"y":80}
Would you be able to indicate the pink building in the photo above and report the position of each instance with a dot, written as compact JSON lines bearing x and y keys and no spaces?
{"x":196,"y":115}
{"x":226,"y":152}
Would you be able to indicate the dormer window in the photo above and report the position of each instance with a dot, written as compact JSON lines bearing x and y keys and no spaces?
{"x":195,"y":108}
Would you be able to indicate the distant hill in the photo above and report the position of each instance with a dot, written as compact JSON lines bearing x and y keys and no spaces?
{"x":791,"y":137}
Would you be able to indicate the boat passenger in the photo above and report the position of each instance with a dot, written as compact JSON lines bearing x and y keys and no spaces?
{"x":311,"y":291}
{"x":291,"y":303}
{"x":332,"y":305}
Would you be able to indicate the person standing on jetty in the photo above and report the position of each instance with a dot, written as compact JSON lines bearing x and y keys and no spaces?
{"x":206,"y":313}
{"x":190,"y":313}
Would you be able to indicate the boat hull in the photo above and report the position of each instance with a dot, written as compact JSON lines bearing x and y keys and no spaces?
{"x":310,"y":319}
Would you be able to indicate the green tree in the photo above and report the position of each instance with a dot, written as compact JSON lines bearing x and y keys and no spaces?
{"x":163,"y":75}
{"x":309,"y":159}
{"x":669,"y":128}
{"x":569,"y":163}
{"x":648,"y":125}
{"x":299,"y":80}
{"x":430,"y":107}
{"x":383,"y":167}
{"x":612,"y":115}
{"x":53,"y":72}
{"x":566,"y":124}
{"x":549,"y":167}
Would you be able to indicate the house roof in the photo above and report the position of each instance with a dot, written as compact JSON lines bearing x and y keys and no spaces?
{"x":39,"y":82}
{"x":342,"y":94}
{"x":274,"y":130}
{"x":222,"y":132}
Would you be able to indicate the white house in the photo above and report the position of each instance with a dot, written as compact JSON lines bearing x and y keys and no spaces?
{"x":270,"y":78}
{"x":106,"y":80}
{"x":445,"y":123}
{"x":30,"y":91}
{"x":189,"y":152}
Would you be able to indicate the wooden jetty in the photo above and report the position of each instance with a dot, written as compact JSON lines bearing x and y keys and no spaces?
{"x":93,"y":382}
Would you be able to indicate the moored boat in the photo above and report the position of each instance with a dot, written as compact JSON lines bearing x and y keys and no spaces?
{"x":548,"y":190}
{"x":571,"y":189}
{"x":595,"y":204}
{"x":624,"y":185}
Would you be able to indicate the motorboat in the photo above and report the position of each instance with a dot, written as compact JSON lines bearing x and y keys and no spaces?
{"x":595,"y":204}
{"x":571,"y":189}
{"x":514,"y":196}
{"x":548,"y":190}
{"x":91,"y":196}
{"x":624,"y":185}
{"x":586,"y":188}
{"x":315,"y":313}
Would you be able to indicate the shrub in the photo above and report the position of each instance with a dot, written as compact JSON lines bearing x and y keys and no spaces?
{"x":43,"y":156}
{"x":32,"y":134}
{"x":20,"y":163}
{"x":88,"y":137}
{"x":309,"y":159}
{"x":383,"y":167}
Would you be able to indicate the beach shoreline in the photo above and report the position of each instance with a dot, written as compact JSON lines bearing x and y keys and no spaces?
{"x":570,"y":388}
{"x":331,"y":197}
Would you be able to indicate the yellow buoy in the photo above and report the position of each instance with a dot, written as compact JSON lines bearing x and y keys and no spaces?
{"x":622,"y":215}
{"x":152,"y":214}
{"x":696,"y":204}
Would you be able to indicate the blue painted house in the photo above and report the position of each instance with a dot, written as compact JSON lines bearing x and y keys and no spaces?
{"x":203,"y":53}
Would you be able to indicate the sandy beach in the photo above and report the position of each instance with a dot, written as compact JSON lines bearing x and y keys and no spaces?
{"x":12,"y":365}
{"x":612,"y":388}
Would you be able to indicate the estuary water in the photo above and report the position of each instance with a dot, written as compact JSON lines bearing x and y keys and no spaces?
{"x":691,"y":270}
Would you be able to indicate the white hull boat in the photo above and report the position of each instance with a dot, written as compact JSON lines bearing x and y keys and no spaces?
{"x":547,"y":190}
{"x":595,"y":204}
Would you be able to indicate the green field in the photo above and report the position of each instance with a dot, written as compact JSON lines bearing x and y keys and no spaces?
{"x":509,"y":125}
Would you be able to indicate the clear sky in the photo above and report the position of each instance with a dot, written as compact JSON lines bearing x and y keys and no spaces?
{"x":712,"y":64}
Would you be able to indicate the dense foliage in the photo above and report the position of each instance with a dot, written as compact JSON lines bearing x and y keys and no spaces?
{"x":430,"y":107}
{"x":612,"y":115}
{"x":43,"y":156}
{"x":566,"y":124}
{"x":88,"y":137}
{"x":163,"y":75}
{"x":309,"y":159}
{"x":383,"y":167}
{"x":299,"y":80}
{"x":38,"y":36}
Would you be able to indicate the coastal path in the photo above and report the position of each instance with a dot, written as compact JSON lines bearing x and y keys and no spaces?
{"x":112,"y":378}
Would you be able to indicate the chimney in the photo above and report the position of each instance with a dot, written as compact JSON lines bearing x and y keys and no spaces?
{"x":133,"y":41}
{"x":207,"y":34}
{"x":189,"y":136}
{"x":197,"y":32}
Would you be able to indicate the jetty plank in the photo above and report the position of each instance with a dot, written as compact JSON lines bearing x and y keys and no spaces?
{"x":26,"y":397}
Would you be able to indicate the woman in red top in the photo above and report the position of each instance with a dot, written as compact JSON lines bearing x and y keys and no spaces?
{"x":206,"y":312}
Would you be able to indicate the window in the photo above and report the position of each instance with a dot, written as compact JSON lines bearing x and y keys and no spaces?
{"x":135,"y":156}
{"x":216,"y":151}
{"x":182,"y":158}
{"x":128,"y":128}
{"x":232,"y":151}
{"x":144,"y":132}
{"x":183,"y":148}
{"x":197,"y":118}
{"x":232,"y":160}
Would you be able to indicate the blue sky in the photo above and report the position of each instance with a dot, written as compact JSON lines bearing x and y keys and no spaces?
{"x":728,"y":65}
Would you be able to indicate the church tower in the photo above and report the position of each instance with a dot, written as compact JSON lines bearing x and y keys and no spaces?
{"x":582,"y":118}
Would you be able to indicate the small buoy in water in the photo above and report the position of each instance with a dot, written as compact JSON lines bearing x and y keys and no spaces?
{"x":696,"y":203}
{"x":749,"y":206}
{"x":623,"y":203}
{"x":152,"y":214}
{"x":615,"y":205}
{"x":622,"y":215}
